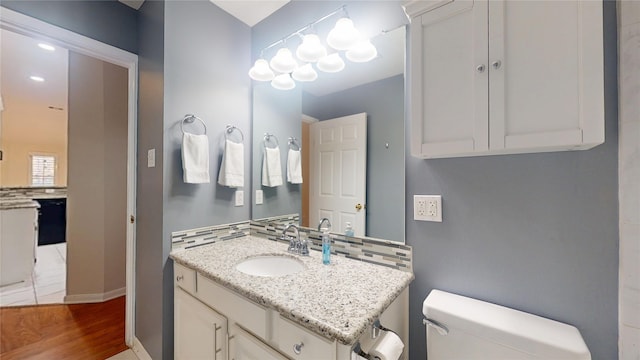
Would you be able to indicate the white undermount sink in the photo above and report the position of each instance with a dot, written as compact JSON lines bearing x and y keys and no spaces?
{"x":270,"y":265}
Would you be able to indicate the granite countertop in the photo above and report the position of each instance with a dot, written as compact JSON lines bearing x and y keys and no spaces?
{"x":338,"y":301}
{"x":18,"y":204}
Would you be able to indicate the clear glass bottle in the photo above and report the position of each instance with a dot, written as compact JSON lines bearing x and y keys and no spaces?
{"x":348,"y":230}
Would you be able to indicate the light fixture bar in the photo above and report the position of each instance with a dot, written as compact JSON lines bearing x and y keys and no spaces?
{"x":306,"y":27}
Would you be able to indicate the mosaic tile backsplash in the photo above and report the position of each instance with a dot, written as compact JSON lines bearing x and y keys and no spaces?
{"x":381,"y":252}
{"x":9,"y":193}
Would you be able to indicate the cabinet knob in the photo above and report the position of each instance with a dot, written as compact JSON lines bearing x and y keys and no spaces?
{"x":480,"y":68}
{"x":297,"y":348}
{"x":496,"y":64}
{"x":179,"y":278}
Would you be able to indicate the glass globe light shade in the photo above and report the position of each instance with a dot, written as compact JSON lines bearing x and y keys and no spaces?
{"x":261,"y":71}
{"x":283,"y":62}
{"x":362,"y":51}
{"x":344,"y":35}
{"x":283,"y":82}
{"x":311,"y":49}
{"x":331,"y":63}
{"x":305,"y":73}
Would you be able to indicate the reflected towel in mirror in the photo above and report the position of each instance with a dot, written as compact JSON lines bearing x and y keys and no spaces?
{"x":294,"y":167}
{"x":271,"y":167}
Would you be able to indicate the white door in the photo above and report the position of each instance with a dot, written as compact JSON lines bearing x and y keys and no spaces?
{"x":449,"y":80}
{"x":545,"y":81}
{"x":338,"y":184}
{"x":200,"y":332}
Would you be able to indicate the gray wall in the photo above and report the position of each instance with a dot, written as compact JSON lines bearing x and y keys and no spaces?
{"x":279,"y":113}
{"x":383,"y":101}
{"x":193,"y":59}
{"x":537,"y":232}
{"x":149,"y":302}
{"x":111,"y":22}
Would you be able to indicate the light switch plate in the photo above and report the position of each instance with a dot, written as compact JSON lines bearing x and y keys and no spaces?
{"x":259,"y":197}
{"x":427,"y":208}
{"x":239,"y":198}
{"x":151,"y":158}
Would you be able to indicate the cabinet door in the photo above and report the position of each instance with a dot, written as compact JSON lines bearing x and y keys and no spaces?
{"x":244,"y":346}
{"x":449,"y":80}
{"x":545,"y":75}
{"x":200,"y":332}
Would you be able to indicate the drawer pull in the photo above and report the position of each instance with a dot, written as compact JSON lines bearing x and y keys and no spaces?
{"x":297,"y":348}
{"x":179,"y":278}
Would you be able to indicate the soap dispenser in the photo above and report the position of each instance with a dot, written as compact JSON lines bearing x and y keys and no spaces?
{"x":348,"y":231}
{"x":326,"y":240}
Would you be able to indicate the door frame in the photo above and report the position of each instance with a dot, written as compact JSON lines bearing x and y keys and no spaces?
{"x":29,"y":26}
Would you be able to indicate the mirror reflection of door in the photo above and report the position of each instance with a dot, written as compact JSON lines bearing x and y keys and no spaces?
{"x":337,"y":183}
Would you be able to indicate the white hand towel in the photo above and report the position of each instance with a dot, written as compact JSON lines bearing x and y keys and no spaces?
{"x":294,"y":167}
{"x":271,"y":167}
{"x":232,"y":168}
{"x":195,"y":158}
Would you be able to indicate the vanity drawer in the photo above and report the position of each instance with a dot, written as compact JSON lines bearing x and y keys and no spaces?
{"x":290,"y":336}
{"x":247,"y":314}
{"x":184,"y":278}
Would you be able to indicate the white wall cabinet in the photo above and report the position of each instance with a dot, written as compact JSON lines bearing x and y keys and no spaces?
{"x":505,"y":77}
{"x":213,"y":322}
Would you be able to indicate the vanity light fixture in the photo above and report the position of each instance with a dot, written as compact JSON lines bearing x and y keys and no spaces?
{"x":332,"y":63}
{"x":344,"y":35}
{"x":46,"y":47}
{"x":283,"y":62}
{"x":362,"y":51}
{"x":36,"y":78}
{"x":311,"y":49}
{"x":305,"y":73}
{"x":283,"y":82}
{"x":261,"y":71}
{"x":283,"y":68}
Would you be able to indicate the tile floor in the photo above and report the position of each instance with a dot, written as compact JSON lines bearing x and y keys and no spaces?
{"x":48,"y":281}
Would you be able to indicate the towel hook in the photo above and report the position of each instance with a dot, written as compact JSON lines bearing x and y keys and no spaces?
{"x":189,"y":119}
{"x":230,"y":129}
{"x":294,"y":142}
{"x":268,"y":137}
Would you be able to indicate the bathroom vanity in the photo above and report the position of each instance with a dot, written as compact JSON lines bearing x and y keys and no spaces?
{"x":318,"y":312}
{"x":18,"y":239}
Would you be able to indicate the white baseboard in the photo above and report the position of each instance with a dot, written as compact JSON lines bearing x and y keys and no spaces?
{"x":94,"y":298}
{"x":137,"y":348}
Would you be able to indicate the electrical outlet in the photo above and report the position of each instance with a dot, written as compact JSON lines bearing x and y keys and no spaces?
{"x":239,"y":197}
{"x":259,"y":197}
{"x":151,"y":158}
{"x":427,"y":208}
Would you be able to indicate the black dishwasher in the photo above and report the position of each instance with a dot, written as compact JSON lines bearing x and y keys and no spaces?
{"x":52,"y":221}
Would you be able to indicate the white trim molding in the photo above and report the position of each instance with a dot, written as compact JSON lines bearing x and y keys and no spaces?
{"x":26,"y":25}
{"x":94,"y":298}
{"x":139,"y":350}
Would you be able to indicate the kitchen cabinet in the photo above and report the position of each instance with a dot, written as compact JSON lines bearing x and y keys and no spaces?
{"x":205,"y":311}
{"x":18,"y":239}
{"x":505,"y":77}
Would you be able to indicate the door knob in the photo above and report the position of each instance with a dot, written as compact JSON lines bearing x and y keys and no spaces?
{"x":358,"y":207}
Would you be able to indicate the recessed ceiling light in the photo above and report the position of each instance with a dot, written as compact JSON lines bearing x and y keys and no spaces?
{"x":46,"y":47}
{"x":36,"y":78}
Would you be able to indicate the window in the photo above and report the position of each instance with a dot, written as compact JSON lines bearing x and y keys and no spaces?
{"x":43,"y":170}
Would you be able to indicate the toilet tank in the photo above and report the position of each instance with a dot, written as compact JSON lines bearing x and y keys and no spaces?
{"x":480,"y":330}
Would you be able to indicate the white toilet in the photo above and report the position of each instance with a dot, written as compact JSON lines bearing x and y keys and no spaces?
{"x":463,"y":328}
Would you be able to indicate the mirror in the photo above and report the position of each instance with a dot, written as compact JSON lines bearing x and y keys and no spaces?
{"x":376,"y":88}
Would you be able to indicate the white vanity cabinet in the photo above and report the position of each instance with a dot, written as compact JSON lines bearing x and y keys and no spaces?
{"x":504,"y":77}
{"x":18,"y":241}
{"x":213,"y":322}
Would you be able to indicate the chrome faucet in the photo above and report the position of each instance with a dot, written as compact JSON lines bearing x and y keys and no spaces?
{"x":296,"y":245}
{"x":322,"y":222}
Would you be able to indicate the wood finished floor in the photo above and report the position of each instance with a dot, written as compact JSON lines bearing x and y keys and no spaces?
{"x":79,"y":331}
